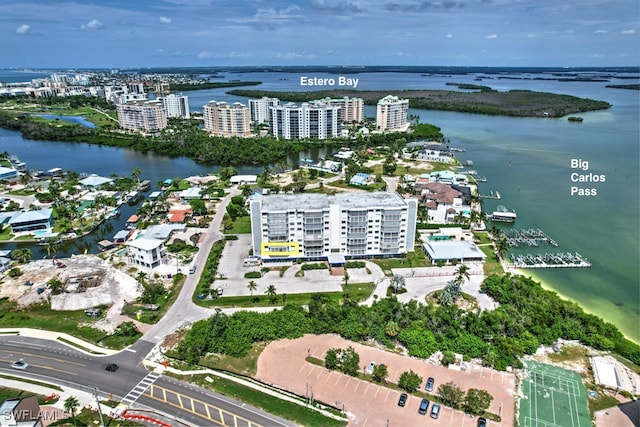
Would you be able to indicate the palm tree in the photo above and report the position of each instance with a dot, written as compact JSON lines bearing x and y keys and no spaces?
{"x":463,"y":273}
{"x":271,"y":292}
{"x":25,"y":178}
{"x":71,"y":404}
{"x":252,"y":286}
{"x":51,"y":246}
{"x":23,"y":256}
{"x":502,"y":247}
{"x":246,"y":190}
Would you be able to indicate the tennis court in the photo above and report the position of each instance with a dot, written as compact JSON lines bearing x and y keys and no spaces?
{"x":552,"y":397}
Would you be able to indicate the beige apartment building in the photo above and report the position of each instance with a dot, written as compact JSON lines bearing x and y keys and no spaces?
{"x":351,"y":109}
{"x":392,"y":114}
{"x":223,"y":119}
{"x":144,"y":116}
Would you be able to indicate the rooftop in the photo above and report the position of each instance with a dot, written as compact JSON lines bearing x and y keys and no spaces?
{"x":448,"y":249}
{"x":145,"y":244}
{"x":304,"y":201}
{"x":95,"y":181}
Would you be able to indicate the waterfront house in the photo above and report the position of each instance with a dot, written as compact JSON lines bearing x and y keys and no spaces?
{"x":178,"y":216}
{"x":94,"y":181}
{"x":435,"y":153}
{"x":442,"y":201}
{"x":146,"y":253}
{"x":191,"y":194}
{"x":448,"y":250}
{"x":8,"y":174}
{"x":122,"y":236}
{"x":132,"y":220}
{"x":244,"y":179}
{"x":162,"y":231}
{"x":31,"y":220}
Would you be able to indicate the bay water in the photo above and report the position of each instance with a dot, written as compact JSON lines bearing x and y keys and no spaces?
{"x":527,"y":160}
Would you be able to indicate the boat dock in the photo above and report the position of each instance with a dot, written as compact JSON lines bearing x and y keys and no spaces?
{"x":491,"y":195}
{"x":550,"y":260}
{"x":532,"y":237}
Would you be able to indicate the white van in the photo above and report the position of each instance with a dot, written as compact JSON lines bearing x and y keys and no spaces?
{"x":192,"y":268}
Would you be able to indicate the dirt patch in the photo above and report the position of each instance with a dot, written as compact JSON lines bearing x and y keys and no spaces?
{"x":88,"y":282}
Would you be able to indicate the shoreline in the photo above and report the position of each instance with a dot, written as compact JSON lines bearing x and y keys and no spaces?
{"x":549,"y":287}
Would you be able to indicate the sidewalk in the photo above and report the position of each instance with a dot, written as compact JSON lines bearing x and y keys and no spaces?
{"x":66,"y":339}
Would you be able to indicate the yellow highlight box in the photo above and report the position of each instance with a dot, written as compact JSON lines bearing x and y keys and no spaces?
{"x":292,"y":249}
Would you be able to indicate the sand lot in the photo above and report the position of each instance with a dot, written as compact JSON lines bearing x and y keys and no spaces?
{"x":283,"y":364}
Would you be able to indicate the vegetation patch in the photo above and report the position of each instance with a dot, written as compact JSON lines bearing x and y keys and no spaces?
{"x":241,"y":225}
{"x":247,"y":365}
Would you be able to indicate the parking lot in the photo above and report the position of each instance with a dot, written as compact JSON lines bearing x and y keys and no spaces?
{"x":283,"y":364}
{"x":231,"y":267}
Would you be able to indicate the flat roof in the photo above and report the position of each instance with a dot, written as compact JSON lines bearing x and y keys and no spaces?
{"x":310,"y":201}
{"x":4,"y":170}
{"x":40,"y":215}
{"x":95,"y":181}
{"x":145,"y":244}
{"x":452,"y":249}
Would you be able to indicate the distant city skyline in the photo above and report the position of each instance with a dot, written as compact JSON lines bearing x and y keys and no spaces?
{"x":170,"y":33}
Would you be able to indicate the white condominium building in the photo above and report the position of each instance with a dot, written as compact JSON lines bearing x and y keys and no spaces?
{"x":176,"y":105}
{"x":259,"y":109}
{"x":224,"y":119}
{"x":315,"y":226}
{"x":145,"y":116}
{"x":392,"y":113}
{"x":319,"y":121}
{"x":352,"y":109}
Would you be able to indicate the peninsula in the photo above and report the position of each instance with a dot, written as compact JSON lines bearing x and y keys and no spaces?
{"x":482,"y":100}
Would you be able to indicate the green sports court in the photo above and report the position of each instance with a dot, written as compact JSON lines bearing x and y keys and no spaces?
{"x":552,"y":397}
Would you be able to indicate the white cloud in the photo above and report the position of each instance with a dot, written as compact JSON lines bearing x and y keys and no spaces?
{"x":271,"y":18}
{"x":204,"y":54}
{"x":532,"y":36}
{"x":628,"y":32}
{"x":601,"y":32}
{"x":94,"y":24}
{"x":164,"y":20}
{"x":492,"y":36}
{"x":449,"y":36}
{"x":23,"y":29}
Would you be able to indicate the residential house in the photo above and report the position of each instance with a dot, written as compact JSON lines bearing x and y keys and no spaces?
{"x":32,"y":220}
{"x":146,"y":253}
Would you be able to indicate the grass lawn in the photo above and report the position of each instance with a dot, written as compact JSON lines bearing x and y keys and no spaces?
{"x":6,"y":234}
{"x":22,"y":192}
{"x":417,"y":258}
{"x":491,"y":264}
{"x":356,"y":291}
{"x":40,"y":316}
{"x":603,"y":401}
{"x":291,"y":411}
{"x":482,"y":236}
{"x":242,"y":225}
{"x":247,"y":365}
{"x":376,"y":186}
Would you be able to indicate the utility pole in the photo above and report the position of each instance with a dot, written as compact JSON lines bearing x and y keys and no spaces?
{"x":95,"y":396}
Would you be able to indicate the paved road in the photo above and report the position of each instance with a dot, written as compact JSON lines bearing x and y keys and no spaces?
{"x":184,"y":311}
{"x":52,"y":362}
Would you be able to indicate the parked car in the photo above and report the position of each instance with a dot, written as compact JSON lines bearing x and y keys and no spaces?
{"x":482,"y":422}
{"x":435,"y":411}
{"x":430,"y":383}
{"x":19,"y":364}
{"x":370,"y":367}
{"x":111,"y":367}
{"x":403,"y":399}
{"x":424,"y":405}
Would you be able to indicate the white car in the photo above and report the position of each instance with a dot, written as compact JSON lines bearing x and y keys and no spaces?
{"x":19,"y":364}
{"x":370,"y":367}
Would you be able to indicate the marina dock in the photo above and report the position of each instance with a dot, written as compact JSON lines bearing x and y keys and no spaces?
{"x":550,"y":260}
{"x":532,"y":237}
{"x":491,"y":195}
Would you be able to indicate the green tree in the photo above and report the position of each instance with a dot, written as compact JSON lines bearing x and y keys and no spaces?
{"x":71,"y":405}
{"x":462,"y":273}
{"x":391,"y":329}
{"x":502,"y":247}
{"x":331,"y":358}
{"x":55,"y":285}
{"x":409,"y":381}
{"x":350,"y":362}
{"x":272,"y":294}
{"x":23,"y":256}
{"x":227,"y":172}
{"x":127,"y":329}
{"x":448,"y":357}
{"x":398,"y":283}
{"x":380,"y":373}
{"x":252,"y":286}
{"x":477,"y":401}
{"x":198,"y":206}
{"x":451,"y":395}
{"x":51,"y":246}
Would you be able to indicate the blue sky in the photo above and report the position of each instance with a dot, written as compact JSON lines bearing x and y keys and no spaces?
{"x":140,"y":33}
